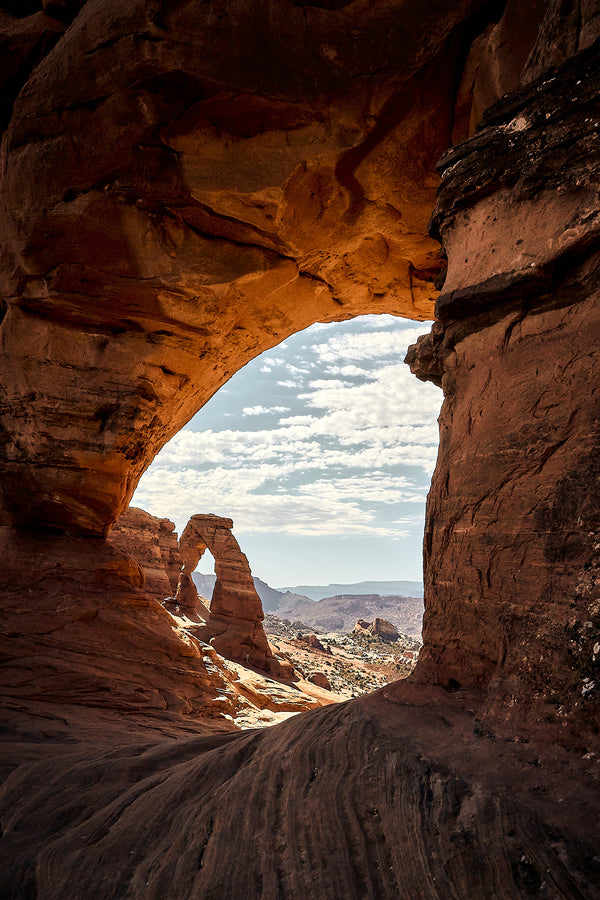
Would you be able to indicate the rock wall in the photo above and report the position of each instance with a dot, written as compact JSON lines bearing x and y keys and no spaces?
{"x":153,"y":543}
{"x":511,"y":540}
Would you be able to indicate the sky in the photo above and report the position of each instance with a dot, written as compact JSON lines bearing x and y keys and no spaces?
{"x":321,"y":450}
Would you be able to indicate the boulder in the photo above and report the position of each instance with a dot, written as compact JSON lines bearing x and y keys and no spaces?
{"x":320,"y":679}
{"x":378,"y":628}
{"x":384,"y":630}
{"x":312,"y":641}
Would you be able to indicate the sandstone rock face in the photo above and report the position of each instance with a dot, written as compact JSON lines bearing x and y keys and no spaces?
{"x":153,"y":543}
{"x":88,"y":635}
{"x":389,"y":779}
{"x":168,"y":209}
{"x":234,"y":625}
{"x":206,"y":208}
{"x":511,"y":543}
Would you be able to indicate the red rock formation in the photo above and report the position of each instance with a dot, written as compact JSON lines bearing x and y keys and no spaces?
{"x":313,"y":642}
{"x":511,"y":544}
{"x":153,"y":544}
{"x":379,"y":628}
{"x":320,"y":679}
{"x":86,"y":634}
{"x":234,"y":624}
{"x":175,"y":210}
{"x":168,"y":209}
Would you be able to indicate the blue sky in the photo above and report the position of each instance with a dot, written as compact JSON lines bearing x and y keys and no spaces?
{"x":321,"y":451}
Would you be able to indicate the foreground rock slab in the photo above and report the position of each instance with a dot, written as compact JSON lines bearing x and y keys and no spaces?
{"x":392,"y":795}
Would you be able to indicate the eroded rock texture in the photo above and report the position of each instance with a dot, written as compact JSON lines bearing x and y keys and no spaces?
{"x":168,"y":209}
{"x":84,"y":633}
{"x":153,"y":543}
{"x":512,"y":530}
{"x":179,"y":207}
{"x":234,"y":623}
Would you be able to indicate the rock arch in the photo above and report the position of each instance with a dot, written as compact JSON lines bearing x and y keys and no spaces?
{"x":234,"y":622}
{"x":169,"y":214}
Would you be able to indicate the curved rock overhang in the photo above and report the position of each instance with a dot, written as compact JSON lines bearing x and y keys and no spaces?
{"x":198,"y":193}
{"x":165,"y":217}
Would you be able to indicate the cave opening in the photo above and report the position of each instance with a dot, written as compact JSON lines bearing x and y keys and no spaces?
{"x":321,"y":450}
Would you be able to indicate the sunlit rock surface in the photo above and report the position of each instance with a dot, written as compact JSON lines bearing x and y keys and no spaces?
{"x":179,"y":207}
{"x":153,"y":543}
{"x":233,"y":625}
{"x":183,"y":186}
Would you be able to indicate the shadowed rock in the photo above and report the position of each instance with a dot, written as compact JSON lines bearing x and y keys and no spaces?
{"x":182,"y":187}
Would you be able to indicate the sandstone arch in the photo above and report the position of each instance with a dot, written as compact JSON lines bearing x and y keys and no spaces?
{"x":234,"y":622}
{"x":137,"y":273}
{"x":255,"y":199}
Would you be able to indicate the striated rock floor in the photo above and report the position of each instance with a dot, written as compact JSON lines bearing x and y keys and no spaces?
{"x":392,"y":795}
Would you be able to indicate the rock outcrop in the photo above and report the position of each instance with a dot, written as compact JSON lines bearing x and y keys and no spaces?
{"x":320,"y":679}
{"x":511,"y":540}
{"x":378,"y":628}
{"x":312,"y":641}
{"x":177,"y":209}
{"x":166,"y":215}
{"x":234,"y":623}
{"x":153,"y":543}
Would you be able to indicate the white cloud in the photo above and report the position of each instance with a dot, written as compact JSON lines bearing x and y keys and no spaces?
{"x":316,"y":509}
{"x":329,"y":383}
{"x":260,"y":410}
{"x":335,"y":465}
{"x":349,"y":371}
{"x":368,"y":345}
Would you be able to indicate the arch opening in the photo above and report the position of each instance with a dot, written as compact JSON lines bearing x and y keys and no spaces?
{"x":321,"y":450}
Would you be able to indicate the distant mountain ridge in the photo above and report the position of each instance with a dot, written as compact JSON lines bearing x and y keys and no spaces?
{"x":340,"y":611}
{"x":320,"y":591}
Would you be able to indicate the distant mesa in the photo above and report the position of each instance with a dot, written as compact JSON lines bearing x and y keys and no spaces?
{"x":362,"y":588}
{"x":323,"y":612}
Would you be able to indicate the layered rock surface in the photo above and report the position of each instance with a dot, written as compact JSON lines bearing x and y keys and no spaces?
{"x":511,"y":543}
{"x":153,"y":543}
{"x":164,"y":217}
{"x":177,"y":209}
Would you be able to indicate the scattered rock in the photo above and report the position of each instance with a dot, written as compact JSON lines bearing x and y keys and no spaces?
{"x":320,"y":679}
